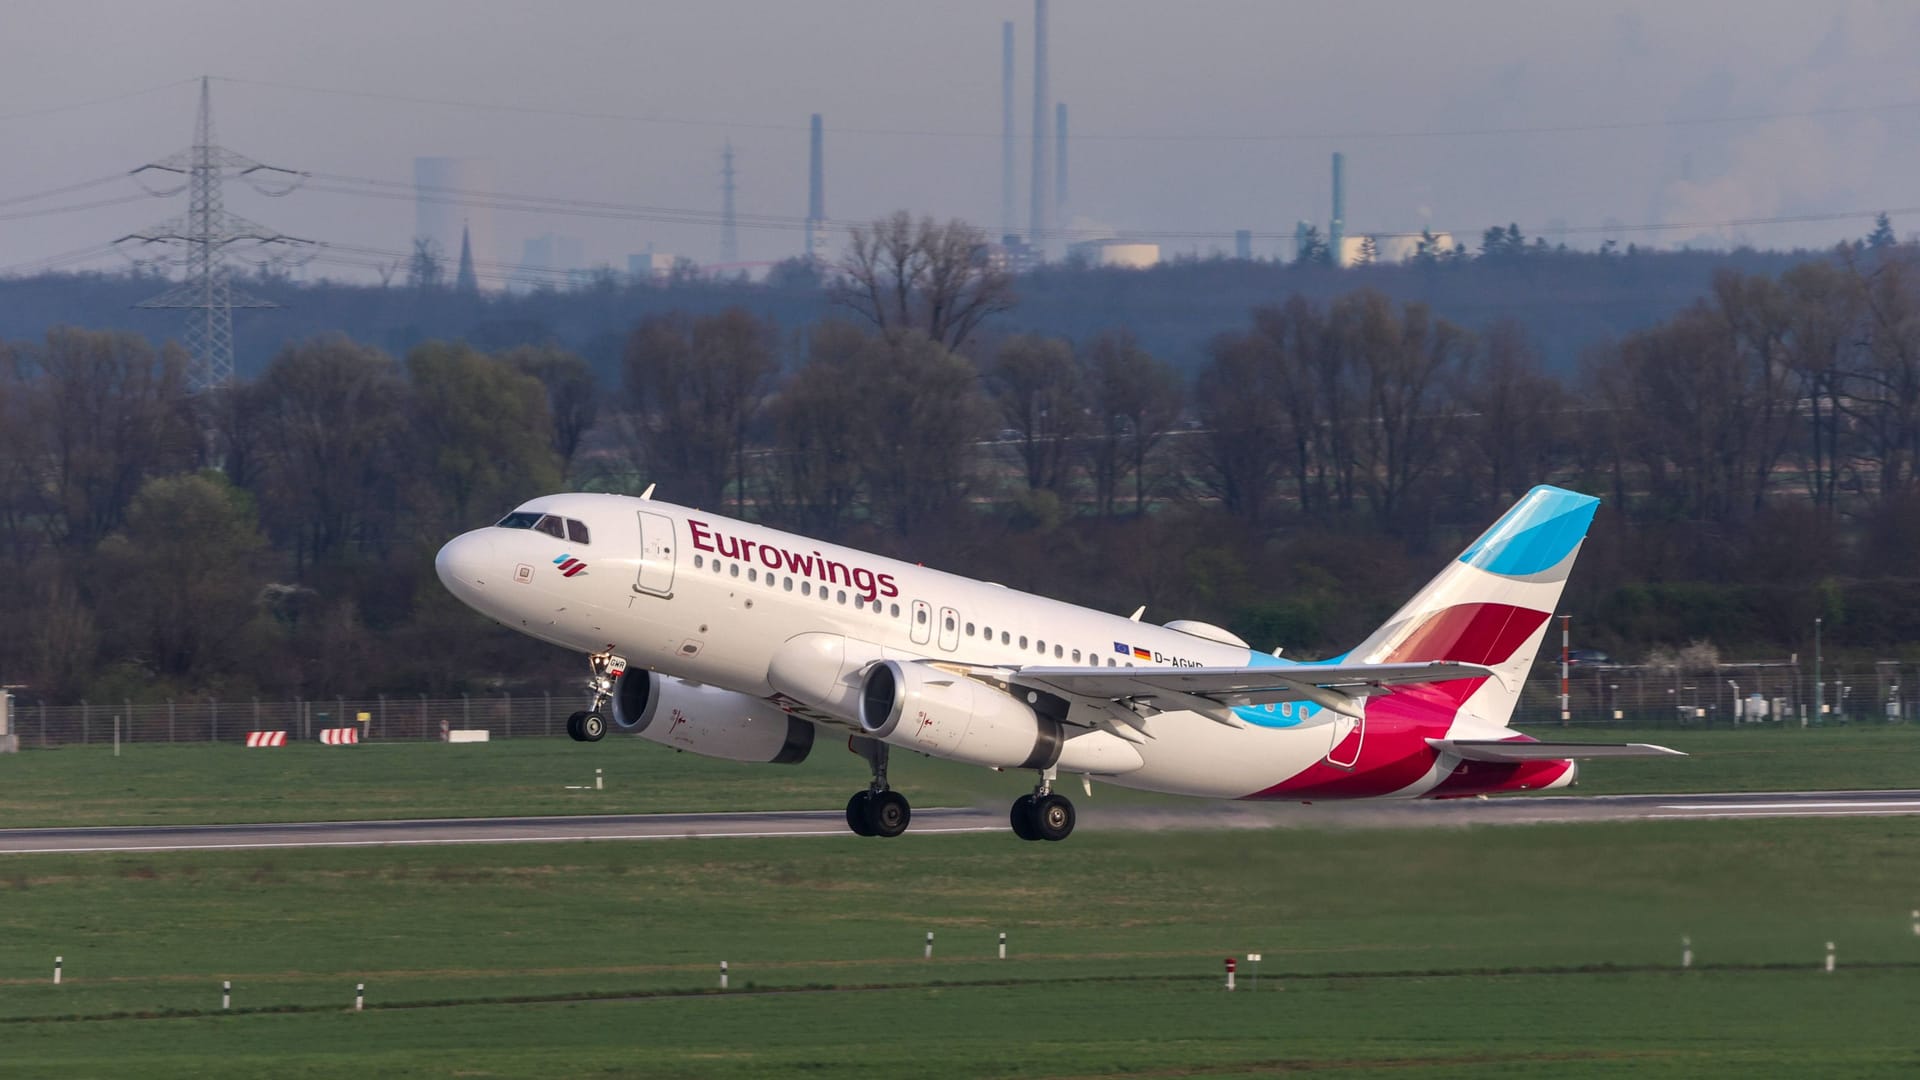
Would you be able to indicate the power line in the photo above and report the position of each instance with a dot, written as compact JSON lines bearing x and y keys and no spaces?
{"x":1352,"y":134}
{"x":65,"y":189}
{"x":48,"y":211}
{"x":71,"y":106}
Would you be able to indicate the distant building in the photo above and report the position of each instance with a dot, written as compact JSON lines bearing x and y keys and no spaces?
{"x":1399,"y":249}
{"x":649,"y":265}
{"x":549,"y":260}
{"x":1130,"y":254}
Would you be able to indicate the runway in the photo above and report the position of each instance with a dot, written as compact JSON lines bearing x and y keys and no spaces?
{"x":933,"y":821}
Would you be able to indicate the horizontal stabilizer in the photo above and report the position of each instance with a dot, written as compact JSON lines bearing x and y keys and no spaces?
{"x":1508,"y":751}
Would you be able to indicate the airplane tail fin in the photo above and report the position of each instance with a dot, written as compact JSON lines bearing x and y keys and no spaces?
{"x":1492,"y":605}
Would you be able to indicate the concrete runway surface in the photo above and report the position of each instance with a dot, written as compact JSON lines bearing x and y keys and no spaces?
{"x":1455,"y":813}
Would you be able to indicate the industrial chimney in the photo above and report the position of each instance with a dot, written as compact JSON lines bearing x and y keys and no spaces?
{"x":816,"y":196}
{"x":1007,"y":209}
{"x":1060,"y":163}
{"x":1037,"y":199}
{"x":1337,"y":228}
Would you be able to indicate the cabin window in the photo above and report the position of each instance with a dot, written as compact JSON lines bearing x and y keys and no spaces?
{"x":1005,"y":638}
{"x":1110,"y":661}
{"x":733,"y":569}
{"x":716,"y":566}
{"x":1040,"y":647}
{"x":893,"y":610}
{"x":753,"y":575}
{"x":806,"y":588}
{"x":950,"y":623}
{"x":699,"y":562}
{"x":787,"y":583}
{"x":920,"y":616}
{"x":552,"y":526}
{"x":519,"y":519}
{"x":1057,"y":651}
{"x":1023,"y":641}
{"x":969,"y":629}
{"x":1076,"y":656}
{"x":577,"y":531}
{"x":843,"y":596}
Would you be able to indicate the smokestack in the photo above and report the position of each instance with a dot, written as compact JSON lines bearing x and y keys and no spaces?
{"x":1037,"y":199}
{"x":1060,"y":163}
{"x":1337,"y":228}
{"x":1007,"y":210}
{"x":816,"y":195}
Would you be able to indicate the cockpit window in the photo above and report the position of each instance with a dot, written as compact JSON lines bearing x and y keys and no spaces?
{"x":554,"y":526}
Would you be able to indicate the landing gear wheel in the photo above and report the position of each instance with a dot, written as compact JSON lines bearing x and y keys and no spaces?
{"x":1052,"y":817}
{"x":1021,"y":817}
{"x":858,"y":811}
{"x":593,"y":727}
{"x":888,"y":813}
{"x":573,"y":727}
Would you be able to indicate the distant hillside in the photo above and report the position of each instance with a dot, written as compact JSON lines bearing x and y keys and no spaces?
{"x":1566,"y":302}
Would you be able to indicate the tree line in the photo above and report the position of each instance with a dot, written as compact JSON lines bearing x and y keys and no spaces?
{"x":1758,"y":451}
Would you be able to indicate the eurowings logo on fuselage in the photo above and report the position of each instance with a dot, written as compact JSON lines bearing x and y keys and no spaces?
{"x":569,"y":565}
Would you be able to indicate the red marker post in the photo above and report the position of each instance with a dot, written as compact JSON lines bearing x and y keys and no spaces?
{"x":1229,"y":973}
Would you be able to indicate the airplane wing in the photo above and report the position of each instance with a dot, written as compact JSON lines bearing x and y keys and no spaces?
{"x":1507,"y":752}
{"x":1215,"y":691}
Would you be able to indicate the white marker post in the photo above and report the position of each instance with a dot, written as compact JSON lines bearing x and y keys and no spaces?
{"x":1829,"y":957}
{"x":1254,"y":959}
{"x":1229,"y":974}
{"x":723,"y":974}
{"x":929,"y":953}
{"x":359,"y":996}
{"x":57,"y":961}
{"x":226,"y":994}
{"x":1003,"y":943}
{"x":1686,"y":952}
{"x":599,"y":782}
{"x":1916,"y":923}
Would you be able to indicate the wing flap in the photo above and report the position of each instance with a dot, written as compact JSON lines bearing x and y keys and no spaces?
{"x":1242,"y":686}
{"x":1508,"y":751}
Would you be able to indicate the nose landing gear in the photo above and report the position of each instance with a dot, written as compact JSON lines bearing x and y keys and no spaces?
{"x":590,"y":724}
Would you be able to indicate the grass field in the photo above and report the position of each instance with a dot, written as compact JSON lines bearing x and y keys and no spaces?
{"x":1443,"y":952}
{"x":179,"y":784}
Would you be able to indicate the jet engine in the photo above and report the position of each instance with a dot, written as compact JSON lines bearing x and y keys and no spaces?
{"x":708,"y":721}
{"x":919,"y":707}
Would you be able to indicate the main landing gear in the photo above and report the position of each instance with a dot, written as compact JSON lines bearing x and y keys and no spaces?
{"x":879,"y":810}
{"x":590,"y":724}
{"x":1042,"y":815}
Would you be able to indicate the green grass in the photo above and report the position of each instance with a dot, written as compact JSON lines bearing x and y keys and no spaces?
{"x":184,"y":784}
{"x":1451,"y":952}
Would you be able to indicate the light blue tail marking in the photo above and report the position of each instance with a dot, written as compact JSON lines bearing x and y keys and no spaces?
{"x":1538,"y":534}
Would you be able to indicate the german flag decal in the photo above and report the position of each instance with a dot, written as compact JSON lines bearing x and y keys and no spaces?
{"x":569,"y":565}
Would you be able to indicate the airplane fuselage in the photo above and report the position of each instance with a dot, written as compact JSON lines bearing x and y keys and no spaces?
{"x":711,"y":600}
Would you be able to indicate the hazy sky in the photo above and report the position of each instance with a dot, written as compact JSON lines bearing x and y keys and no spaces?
{"x":1197,"y":117}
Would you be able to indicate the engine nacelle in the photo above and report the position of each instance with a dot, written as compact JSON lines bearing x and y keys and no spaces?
{"x":708,"y":721}
{"x":923,"y":708}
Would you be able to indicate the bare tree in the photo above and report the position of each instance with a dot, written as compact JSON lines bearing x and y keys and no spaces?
{"x":1515,"y":413}
{"x":695,"y":386}
{"x":573,"y":399}
{"x":938,"y":280}
{"x":1037,"y":386}
{"x":1135,"y":400}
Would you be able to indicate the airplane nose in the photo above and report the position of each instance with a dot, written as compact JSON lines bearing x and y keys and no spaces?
{"x":465,"y":563}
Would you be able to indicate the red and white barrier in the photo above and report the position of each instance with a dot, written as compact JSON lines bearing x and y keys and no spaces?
{"x":266,"y":738}
{"x":339,"y":736}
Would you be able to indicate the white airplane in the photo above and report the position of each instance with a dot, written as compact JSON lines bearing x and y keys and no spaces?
{"x":737,"y":641}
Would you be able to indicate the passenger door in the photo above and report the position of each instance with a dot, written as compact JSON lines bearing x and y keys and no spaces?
{"x":949,"y":629}
{"x":922,"y":628}
{"x":656,"y":554}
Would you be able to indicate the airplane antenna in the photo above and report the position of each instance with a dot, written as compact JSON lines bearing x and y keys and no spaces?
{"x":647,"y":494}
{"x":1137,"y":612}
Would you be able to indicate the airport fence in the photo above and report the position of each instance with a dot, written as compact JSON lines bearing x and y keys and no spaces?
{"x":1725,"y":695}
{"x":382,"y":718}
{"x":1599,"y":695}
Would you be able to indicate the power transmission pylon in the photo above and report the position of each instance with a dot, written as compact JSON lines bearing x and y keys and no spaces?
{"x":206,"y":231}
